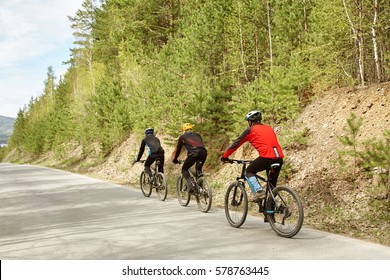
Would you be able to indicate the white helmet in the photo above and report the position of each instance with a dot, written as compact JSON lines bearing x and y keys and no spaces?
{"x":254,"y":116}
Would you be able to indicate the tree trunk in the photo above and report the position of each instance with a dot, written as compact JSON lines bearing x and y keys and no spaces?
{"x":172,"y":17}
{"x":242,"y":42}
{"x":305,"y":15}
{"x":374,"y":42}
{"x":358,"y":39}
{"x":269,"y":33}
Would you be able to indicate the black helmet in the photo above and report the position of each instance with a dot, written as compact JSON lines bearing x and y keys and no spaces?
{"x":254,"y":116}
{"x":149,"y":130}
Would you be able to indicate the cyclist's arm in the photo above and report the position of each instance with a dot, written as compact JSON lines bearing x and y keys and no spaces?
{"x":239,"y":141}
{"x":141,"y":150}
{"x":178,"y":148}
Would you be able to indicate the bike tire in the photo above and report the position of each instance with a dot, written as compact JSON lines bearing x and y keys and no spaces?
{"x":146,"y":188}
{"x":161,"y":188}
{"x":236,"y":204}
{"x":285,"y":214}
{"x":205,"y":197}
{"x":182,"y":193}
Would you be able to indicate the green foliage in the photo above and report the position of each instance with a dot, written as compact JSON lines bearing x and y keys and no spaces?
{"x":350,"y":143}
{"x":376,"y":159}
{"x":295,"y":139}
{"x":161,"y":63}
{"x":377,"y":152}
{"x":110,"y":119}
{"x":3,"y":153}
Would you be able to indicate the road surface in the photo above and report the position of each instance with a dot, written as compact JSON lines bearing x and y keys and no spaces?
{"x":48,"y":214}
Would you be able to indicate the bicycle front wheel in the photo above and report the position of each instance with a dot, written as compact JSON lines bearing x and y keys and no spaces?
{"x":182,"y":193}
{"x":161,"y":186}
{"x":236,"y":204}
{"x":205,"y":196}
{"x":285,"y":213}
{"x":146,"y":188}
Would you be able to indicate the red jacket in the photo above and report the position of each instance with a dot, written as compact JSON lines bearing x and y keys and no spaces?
{"x":263,"y":139}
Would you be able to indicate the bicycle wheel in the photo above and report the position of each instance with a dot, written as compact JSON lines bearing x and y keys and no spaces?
{"x":183,"y":195}
{"x":205,"y":197}
{"x":161,"y":186}
{"x":236,"y":204}
{"x":146,"y":188}
{"x":285,"y":213}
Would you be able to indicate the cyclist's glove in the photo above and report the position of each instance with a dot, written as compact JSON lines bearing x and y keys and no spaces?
{"x":224,"y":159}
{"x":175,"y":161}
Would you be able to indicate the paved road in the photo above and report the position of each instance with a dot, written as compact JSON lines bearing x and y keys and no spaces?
{"x":47,"y":214}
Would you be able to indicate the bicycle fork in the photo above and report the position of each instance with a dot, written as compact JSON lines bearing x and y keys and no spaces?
{"x":234,"y":201}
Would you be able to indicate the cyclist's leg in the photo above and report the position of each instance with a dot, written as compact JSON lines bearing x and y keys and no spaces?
{"x":149,"y":161}
{"x":200,"y":160}
{"x":275,"y":172}
{"x":190,"y":161}
{"x":162,"y":159}
{"x":259,"y":164}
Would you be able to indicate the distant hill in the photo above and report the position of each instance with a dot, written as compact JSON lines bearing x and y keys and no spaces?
{"x":6,"y":128}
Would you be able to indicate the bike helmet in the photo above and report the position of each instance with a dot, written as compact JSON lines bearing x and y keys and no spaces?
{"x":254,"y":116}
{"x":187,"y":127}
{"x":149,"y":130}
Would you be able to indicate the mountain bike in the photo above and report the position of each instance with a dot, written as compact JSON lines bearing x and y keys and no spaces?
{"x":281,"y":207}
{"x":157,"y":182}
{"x":202,"y":190}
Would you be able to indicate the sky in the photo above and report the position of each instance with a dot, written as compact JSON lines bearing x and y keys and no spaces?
{"x":34,"y":34}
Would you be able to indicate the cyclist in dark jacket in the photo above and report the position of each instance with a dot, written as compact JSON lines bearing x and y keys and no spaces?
{"x":196,"y":152}
{"x":264,"y":140}
{"x":155,"y":151}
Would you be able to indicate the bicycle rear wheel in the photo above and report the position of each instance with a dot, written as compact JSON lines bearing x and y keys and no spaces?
{"x":161,"y":187}
{"x":285,"y":214}
{"x":146,"y":188}
{"x":205,"y":197}
{"x":182,"y":193}
{"x":236,"y":204}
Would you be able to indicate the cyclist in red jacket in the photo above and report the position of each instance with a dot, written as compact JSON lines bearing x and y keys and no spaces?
{"x":264,"y":140}
{"x":196,"y":152}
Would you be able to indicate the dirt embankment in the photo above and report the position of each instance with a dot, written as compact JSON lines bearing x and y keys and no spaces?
{"x":332,"y":202}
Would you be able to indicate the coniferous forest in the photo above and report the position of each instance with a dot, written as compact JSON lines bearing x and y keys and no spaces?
{"x":160,"y":63}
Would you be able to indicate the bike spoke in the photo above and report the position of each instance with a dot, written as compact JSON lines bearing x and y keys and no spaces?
{"x":182,"y":194}
{"x":287,"y":218}
{"x":236,"y":204}
{"x":204,"y":195}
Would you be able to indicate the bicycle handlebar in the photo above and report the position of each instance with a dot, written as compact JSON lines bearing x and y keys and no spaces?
{"x":239,"y":161}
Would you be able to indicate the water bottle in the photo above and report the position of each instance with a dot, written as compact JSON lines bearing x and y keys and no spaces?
{"x":254,"y":184}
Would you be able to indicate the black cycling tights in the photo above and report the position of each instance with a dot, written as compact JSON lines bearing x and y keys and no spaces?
{"x":261,"y":164}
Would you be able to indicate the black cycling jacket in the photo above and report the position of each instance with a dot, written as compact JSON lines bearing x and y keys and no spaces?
{"x":192,"y":141}
{"x":152,"y":143}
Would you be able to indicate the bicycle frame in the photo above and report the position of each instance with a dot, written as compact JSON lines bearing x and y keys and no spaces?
{"x":242,"y":177}
{"x":154,"y":166}
{"x":202,"y":190}
{"x":158,"y":181}
{"x":281,"y":207}
{"x":192,"y":171}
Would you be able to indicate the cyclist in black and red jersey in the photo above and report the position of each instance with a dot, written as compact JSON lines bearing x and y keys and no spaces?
{"x":155,"y":151}
{"x":264,"y":140}
{"x":196,"y":152}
